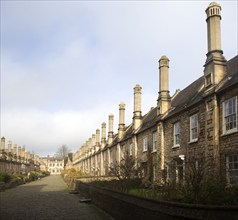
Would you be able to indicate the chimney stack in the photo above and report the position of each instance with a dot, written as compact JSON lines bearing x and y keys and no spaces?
{"x":90,"y":145}
{"x":121,"y":128}
{"x":9,"y":146}
{"x":110,"y":129}
{"x":97,"y":139}
{"x":23,"y":152}
{"x":137,"y":116}
{"x":215,"y":66}
{"x":15,"y":149}
{"x":103,"y":138}
{"x":19,"y":152}
{"x":93,"y":142}
{"x":164,"y":100}
{"x":2,"y":143}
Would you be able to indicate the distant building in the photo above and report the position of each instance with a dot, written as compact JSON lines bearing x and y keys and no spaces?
{"x":52,"y":164}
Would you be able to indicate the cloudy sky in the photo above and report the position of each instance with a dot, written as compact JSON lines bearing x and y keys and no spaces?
{"x":66,"y":65}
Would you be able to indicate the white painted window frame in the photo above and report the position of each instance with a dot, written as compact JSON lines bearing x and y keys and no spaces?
{"x":131,"y":149}
{"x":176,"y":133}
{"x":155,"y":141}
{"x":232,"y":166}
{"x":192,"y":126}
{"x":145,"y":144}
{"x":226,"y":115}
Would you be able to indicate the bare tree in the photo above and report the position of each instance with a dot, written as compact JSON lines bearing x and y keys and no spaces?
{"x":62,"y":152}
{"x":126,"y":169}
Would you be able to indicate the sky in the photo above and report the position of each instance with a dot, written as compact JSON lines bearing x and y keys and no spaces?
{"x":66,"y":65}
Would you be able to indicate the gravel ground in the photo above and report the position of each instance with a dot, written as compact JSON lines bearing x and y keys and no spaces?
{"x":47,"y":199}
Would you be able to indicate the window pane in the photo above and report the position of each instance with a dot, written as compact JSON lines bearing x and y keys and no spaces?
{"x":236,"y":166}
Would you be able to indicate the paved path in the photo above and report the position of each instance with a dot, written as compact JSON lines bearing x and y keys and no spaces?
{"x":47,"y":199}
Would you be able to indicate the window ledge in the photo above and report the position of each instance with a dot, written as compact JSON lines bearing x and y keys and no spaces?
{"x":230,"y":132}
{"x":193,"y":141}
{"x":144,"y":151}
{"x":176,"y":146}
{"x":154,"y":151}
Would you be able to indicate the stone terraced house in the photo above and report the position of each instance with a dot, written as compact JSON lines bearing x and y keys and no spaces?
{"x":196,"y":127}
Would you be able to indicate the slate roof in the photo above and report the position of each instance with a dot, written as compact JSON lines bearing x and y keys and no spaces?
{"x":149,"y":120}
{"x":128,"y":132}
{"x":232,"y":75}
{"x":192,"y":94}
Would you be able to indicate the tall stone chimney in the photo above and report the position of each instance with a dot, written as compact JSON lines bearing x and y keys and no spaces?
{"x":9,"y":150}
{"x":110,"y":129}
{"x":19,"y":151}
{"x":15,"y":149}
{"x":97,"y":139}
{"x":121,"y":127}
{"x":215,"y":66}
{"x":164,"y":100}
{"x":90,"y":145}
{"x":93,"y":140}
{"x":2,"y":143}
{"x":27,"y":156}
{"x":137,"y":116}
{"x":23,"y":152}
{"x":103,"y":138}
{"x":87,"y":148}
{"x":93,"y":143}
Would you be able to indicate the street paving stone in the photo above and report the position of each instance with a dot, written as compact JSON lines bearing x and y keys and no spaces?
{"x":46,"y":199}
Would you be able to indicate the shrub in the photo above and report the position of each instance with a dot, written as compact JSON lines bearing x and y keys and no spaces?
{"x":45,"y":173}
{"x":231,"y":195}
{"x":4,"y":177}
{"x":34,"y":175}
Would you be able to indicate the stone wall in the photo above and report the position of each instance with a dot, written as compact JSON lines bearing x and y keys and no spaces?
{"x":229,"y":142}
{"x":123,"y":206}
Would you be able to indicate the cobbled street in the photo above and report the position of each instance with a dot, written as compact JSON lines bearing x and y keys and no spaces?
{"x":48,"y":199}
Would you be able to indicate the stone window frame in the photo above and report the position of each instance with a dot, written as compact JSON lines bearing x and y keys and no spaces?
{"x":229,"y":115}
{"x":131,"y":149}
{"x":154,"y":141}
{"x":193,"y":128}
{"x":232,"y":168}
{"x":176,"y":135}
{"x":145,"y":144}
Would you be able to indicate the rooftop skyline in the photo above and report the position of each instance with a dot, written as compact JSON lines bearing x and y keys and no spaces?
{"x":65,"y":66}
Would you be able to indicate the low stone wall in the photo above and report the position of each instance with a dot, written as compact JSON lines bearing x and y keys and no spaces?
{"x":90,"y":179}
{"x":128,"y":207}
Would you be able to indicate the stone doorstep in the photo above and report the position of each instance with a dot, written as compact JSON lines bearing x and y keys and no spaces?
{"x":82,"y":199}
{"x":85,"y":200}
{"x":73,"y":192}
